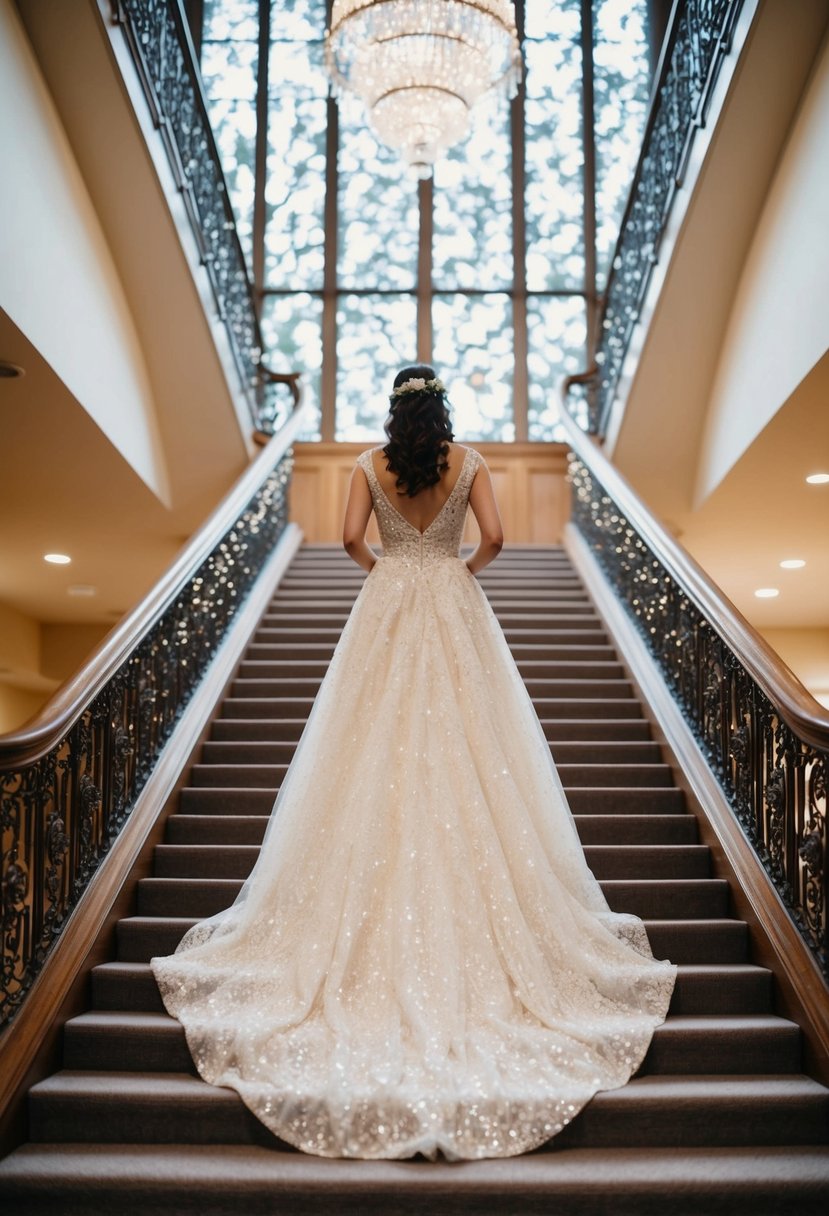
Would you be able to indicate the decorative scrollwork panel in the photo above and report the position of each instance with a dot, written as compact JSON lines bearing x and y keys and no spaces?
{"x":700,"y":38}
{"x":157,"y":37}
{"x":775,"y":782}
{"x":60,"y":815}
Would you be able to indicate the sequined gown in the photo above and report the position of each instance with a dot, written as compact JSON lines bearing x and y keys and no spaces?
{"x":421,"y":960}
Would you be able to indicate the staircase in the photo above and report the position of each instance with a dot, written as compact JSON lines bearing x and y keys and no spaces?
{"x":719,"y":1118}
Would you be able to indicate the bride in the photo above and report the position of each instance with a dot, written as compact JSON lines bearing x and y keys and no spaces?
{"x":421,"y":960}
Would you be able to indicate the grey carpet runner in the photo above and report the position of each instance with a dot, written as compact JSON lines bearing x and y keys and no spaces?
{"x":719,"y":1119}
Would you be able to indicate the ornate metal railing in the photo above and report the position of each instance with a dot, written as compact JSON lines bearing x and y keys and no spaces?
{"x":763,"y":735}
{"x":697,"y":43}
{"x":69,"y":782}
{"x":158,"y":37}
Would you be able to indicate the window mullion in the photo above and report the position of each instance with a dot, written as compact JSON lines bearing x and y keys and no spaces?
{"x":261,"y":152}
{"x":520,"y":391}
{"x":328,"y":408}
{"x":425,"y":198}
{"x":589,"y":143}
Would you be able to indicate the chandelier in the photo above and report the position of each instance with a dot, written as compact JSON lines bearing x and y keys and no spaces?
{"x":421,"y":65}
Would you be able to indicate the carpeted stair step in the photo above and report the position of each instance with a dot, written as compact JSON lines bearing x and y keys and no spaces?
{"x":549,"y":708}
{"x":280,"y":730}
{"x":170,"y":1180}
{"x":560,"y":730}
{"x":273,"y":652}
{"x":619,"y":800}
{"x":635,"y":829}
{"x":133,"y":1041}
{"x":609,"y":751}
{"x":593,"y":829}
{"x":599,"y":729}
{"x":531,"y":669}
{"x":141,"y":938}
{"x":606,"y":861}
{"x":692,"y":898}
{"x":643,"y":776}
{"x":524,"y":635}
{"x":541,"y":689}
{"x":238,"y":776}
{"x":215,"y":829}
{"x":259,"y":751}
{"x":651,"y":1111}
{"x":715,"y":941}
{"x":711,"y":941}
{"x":725,"y":988}
{"x":573,"y":776}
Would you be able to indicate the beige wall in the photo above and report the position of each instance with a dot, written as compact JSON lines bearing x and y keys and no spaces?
{"x":65,"y":646}
{"x":529,"y":479}
{"x":19,"y":641}
{"x":806,"y":651}
{"x":17,"y":705}
{"x":779,"y":324}
{"x":58,"y":281}
{"x":35,"y":657}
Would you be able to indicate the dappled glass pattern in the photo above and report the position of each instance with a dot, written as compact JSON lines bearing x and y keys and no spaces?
{"x":468,"y":274}
{"x":297,"y":119}
{"x":229,"y":65}
{"x":473,"y":353}
{"x":557,"y":342}
{"x":292,"y":333}
{"x":378,"y":209}
{"x":554,"y":192}
{"x":376,"y":336}
{"x":472,"y":242}
{"x":621,"y":88}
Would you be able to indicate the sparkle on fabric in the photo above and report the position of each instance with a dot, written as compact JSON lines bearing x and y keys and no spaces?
{"x":421,"y":960}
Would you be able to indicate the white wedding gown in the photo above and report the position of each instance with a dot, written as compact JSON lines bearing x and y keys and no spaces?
{"x":421,"y":960}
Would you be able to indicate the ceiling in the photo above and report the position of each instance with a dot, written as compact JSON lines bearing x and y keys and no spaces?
{"x":764,"y":512}
{"x":68,"y":490}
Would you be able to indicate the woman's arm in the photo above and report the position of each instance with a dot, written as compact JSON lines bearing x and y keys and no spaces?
{"x":485,"y":509}
{"x":357,"y":512}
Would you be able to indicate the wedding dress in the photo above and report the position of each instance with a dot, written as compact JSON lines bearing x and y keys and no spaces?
{"x":421,"y":960}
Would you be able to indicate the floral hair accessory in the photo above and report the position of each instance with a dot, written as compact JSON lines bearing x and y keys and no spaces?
{"x":416,"y":386}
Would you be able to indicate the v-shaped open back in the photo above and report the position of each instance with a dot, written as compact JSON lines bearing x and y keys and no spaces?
{"x":441,"y":537}
{"x":441,"y":509}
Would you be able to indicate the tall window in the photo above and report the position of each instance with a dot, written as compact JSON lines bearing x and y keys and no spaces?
{"x":493,"y":271}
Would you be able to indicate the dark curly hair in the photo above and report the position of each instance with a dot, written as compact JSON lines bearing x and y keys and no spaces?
{"x":419,"y":432}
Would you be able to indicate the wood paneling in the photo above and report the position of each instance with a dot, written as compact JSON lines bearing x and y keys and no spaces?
{"x":530,"y":482}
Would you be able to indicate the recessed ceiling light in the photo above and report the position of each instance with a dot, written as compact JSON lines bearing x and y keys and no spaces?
{"x":81,"y":589}
{"x":10,"y":371}
{"x":817,"y":479}
{"x":57,"y":559}
{"x":792,"y":563}
{"x":766,"y":593}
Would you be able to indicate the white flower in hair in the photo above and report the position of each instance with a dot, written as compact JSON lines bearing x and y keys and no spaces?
{"x":417,"y":385}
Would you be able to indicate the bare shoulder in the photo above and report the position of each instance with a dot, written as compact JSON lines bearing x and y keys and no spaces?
{"x":463,"y":450}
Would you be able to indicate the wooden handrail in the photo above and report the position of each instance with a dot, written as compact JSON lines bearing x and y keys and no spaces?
{"x":26,"y":745}
{"x":797,"y":707}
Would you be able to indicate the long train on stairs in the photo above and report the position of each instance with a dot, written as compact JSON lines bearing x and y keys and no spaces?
{"x":719,"y":1119}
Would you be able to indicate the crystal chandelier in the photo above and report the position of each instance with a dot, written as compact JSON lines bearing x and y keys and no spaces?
{"x":421,"y":65}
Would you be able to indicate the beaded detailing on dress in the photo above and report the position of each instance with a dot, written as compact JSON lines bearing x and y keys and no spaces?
{"x":442,"y":538}
{"x":421,"y":960}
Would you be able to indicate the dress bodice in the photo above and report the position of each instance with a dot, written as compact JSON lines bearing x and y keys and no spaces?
{"x":442,"y":538}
